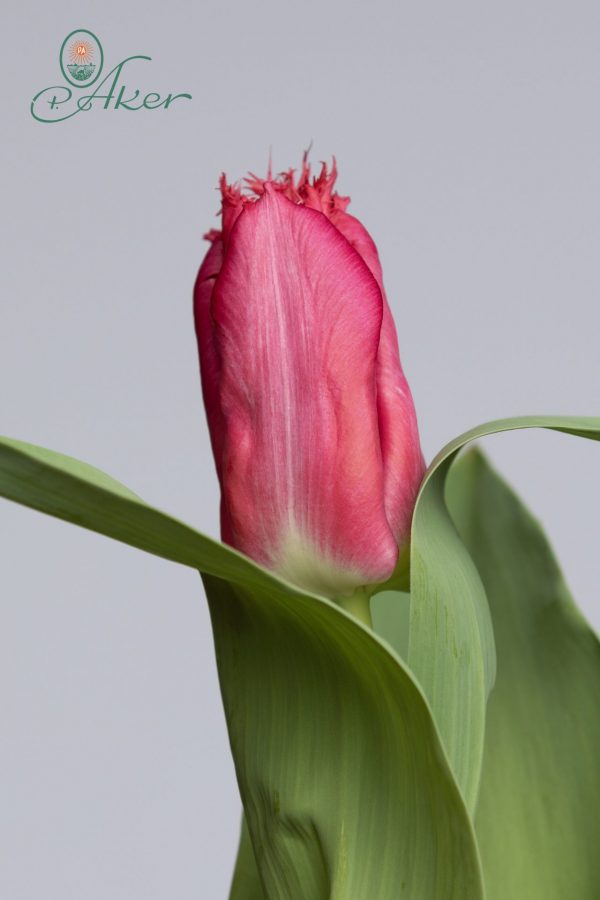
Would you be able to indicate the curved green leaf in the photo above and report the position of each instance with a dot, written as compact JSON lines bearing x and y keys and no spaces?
{"x":76,"y":492}
{"x":346,"y":790}
{"x":246,"y":884}
{"x":346,"y":787}
{"x":537,"y":819}
{"x":451,"y":643}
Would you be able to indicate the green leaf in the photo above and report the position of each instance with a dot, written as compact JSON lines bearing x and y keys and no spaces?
{"x":537,"y":819}
{"x":345,"y":784}
{"x":76,"y":492}
{"x":390,"y":612}
{"x":346,"y":789}
{"x":451,"y":642}
{"x":246,"y":884}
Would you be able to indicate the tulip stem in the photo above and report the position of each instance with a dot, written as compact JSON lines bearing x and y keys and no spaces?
{"x":359,"y":606}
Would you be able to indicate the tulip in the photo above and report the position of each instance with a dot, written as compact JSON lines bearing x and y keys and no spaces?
{"x":312,"y":423}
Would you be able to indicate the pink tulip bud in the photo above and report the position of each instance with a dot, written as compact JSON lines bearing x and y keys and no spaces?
{"x":312,"y":423}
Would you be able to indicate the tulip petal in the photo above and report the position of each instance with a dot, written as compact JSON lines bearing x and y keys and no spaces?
{"x":209,"y":359}
{"x":297,"y":315}
{"x":403,"y":463}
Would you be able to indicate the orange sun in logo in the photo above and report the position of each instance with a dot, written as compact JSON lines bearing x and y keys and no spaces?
{"x":81,"y":51}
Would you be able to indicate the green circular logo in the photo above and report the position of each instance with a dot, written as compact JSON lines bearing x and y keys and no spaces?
{"x":81,"y":57}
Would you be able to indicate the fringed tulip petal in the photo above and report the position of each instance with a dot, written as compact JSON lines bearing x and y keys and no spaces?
{"x":312,"y":423}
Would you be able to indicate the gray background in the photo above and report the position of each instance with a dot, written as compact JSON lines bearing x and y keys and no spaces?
{"x":468,"y":137}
